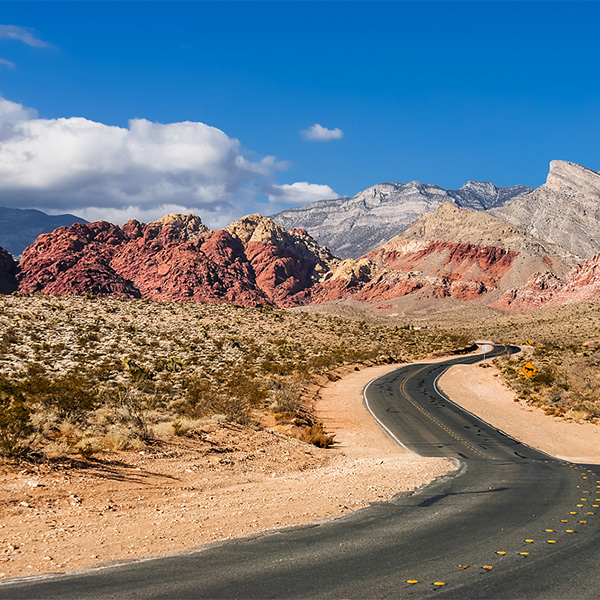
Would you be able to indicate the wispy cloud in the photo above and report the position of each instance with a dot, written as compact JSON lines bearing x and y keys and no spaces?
{"x":22,"y":34}
{"x":7,"y":63}
{"x":318,"y":133}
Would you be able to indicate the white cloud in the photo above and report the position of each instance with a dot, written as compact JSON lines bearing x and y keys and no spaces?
{"x":299,"y":193}
{"x":318,"y":133}
{"x":143,"y":171}
{"x":7,"y":63}
{"x":21,"y":34}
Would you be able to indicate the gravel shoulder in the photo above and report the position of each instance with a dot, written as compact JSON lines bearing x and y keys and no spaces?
{"x":480,"y":390}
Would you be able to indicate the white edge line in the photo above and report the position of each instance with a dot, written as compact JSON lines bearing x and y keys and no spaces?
{"x":445,"y":397}
{"x":381,"y":424}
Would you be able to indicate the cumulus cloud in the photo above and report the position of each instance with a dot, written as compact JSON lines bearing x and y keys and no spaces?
{"x":299,"y":193}
{"x":21,"y":34}
{"x":318,"y":133}
{"x":7,"y":63}
{"x":143,"y":171}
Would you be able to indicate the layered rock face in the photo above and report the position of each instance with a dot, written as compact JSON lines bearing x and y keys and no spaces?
{"x":8,"y":271}
{"x":351,"y":227}
{"x":451,"y":253}
{"x":546,"y":289}
{"x":254,"y":262}
{"x":565,"y":210}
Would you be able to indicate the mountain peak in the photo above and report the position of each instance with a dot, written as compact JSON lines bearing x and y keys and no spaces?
{"x":564,"y":175}
{"x":191,"y":223}
{"x":565,"y":210}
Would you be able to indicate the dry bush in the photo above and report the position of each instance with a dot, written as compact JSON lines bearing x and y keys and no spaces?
{"x":315,"y":434}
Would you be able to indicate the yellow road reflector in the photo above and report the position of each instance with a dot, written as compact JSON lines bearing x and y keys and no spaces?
{"x":412,"y":581}
{"x":579,"y":505}
{"x":463,"y":566}
{"x":487,"y":567}
{"x":585,"y":492}
{"x":591,"y":513}
{"x":597,"y":499}
{"x":552,"y":541}
{"x":549,"y":530}
{"x":584,"y":499}
{"x":524,"y":553}
{"x":500,"y":552}
{"x":583,"y":521}
{"x":570,"y":530}
{"x":572,"y":512}
{"x":595,"y":505}
{"x":529,"y":541}
{"x":439,"y":583}
{"x":564,"y":520}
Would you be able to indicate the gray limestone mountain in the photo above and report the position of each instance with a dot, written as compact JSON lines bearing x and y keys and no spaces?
{"x":565,"y":210}
{"x":19,"y":228}
{"x":351,"y":227}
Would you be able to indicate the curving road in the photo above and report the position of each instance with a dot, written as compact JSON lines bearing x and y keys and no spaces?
{"x":512,"y":522}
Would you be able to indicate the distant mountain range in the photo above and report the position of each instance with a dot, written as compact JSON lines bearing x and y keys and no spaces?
{"x":447,"y":253}
{"x":19,"y":228}
{"x":351,"y":227}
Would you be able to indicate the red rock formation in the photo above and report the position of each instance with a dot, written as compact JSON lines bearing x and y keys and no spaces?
{"x":8,"y":270}
{"x":429,"y":269}
{"x":545,"y":289}
{"x":176,"y":258}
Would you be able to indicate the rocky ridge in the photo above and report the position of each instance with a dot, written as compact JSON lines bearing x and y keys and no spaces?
{"x":254,"y":262}
{"x":351,"y":227}
{"x":19,"y":228}
{"x":452,"y":253}
{"x":581,"y":284}
{"x":565,"y":210}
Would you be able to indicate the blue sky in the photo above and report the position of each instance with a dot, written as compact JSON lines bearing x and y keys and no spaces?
{"x":442,"y":92}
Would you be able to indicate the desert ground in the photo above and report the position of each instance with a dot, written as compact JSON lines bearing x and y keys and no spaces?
{"x":227,"y":481}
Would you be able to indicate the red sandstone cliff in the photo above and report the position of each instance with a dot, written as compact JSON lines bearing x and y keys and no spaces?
{"x":255,"y":262}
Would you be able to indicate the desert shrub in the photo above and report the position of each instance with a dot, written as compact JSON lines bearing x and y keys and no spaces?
{"x":315,"y":434}
{"x":15,"y":420}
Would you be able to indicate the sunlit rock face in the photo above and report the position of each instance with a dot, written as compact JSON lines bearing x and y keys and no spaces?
{"x":565,"y":210}
{"x":581,"y":284}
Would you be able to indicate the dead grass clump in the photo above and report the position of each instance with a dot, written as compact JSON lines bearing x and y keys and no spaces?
{"x":315,"y":434}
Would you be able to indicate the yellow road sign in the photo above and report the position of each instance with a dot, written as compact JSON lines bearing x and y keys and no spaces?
{"x":528,"y":342}
{"x":529,"y":370}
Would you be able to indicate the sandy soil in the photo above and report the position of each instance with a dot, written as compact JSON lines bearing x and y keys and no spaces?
{"x":225,"y":482}
{"x":479,"y":390}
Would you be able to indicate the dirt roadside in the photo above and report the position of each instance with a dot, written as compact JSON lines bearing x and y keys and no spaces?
{"x":488,"y":398}
{"x":224,"y":482}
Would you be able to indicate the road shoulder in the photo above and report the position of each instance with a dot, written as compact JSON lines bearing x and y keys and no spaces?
{"x":481,"y":391}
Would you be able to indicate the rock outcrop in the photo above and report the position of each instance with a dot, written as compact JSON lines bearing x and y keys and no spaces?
{"x":452,"y":253}
{"x":254,"y":262}
{"x":581,"y":284}
{"x":565,"y":210}
{"x":351,"y":227}
{"x":8,"y":271}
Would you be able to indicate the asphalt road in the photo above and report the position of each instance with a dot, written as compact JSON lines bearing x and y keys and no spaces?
{"x":512,"y":522}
